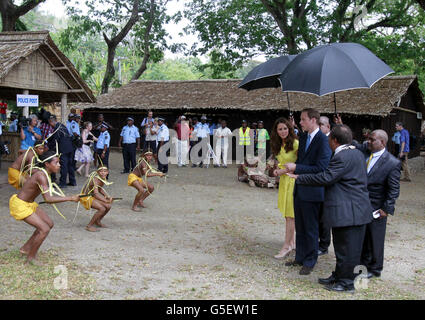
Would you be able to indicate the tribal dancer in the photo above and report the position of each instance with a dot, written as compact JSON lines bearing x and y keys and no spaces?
{"x":22,"y":167}
{"x":97,"y":198}
{"x":143,"y":168}
{"x":23,"y":207}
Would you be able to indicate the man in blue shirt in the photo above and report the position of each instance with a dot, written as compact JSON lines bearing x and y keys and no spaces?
{"x":30,"y":133}
{"x":404,"y":150}
{"x":130,"y":141}
{"x":102,"y":145}
{"x":13,"y":127}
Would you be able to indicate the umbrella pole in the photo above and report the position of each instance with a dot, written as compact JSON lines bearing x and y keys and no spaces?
{"x":289,"y":104}
{"x":335,"y":103}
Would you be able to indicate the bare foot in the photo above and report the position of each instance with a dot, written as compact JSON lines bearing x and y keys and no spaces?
{"x":136,"y":209}
{"x":142,"y":204}
{"x":33,"y":262}
{"x":99,"y":224}
{"x":91,"y":229}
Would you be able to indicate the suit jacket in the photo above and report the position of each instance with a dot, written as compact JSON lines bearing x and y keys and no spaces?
{"x":383,"y":180}
{"x":63,"y":138}
{"x":314,"y":160}
{"x":346,"y":198}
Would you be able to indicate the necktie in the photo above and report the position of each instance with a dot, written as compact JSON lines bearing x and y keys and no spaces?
{"x":368,"y":162}
{"x":308,"y":142}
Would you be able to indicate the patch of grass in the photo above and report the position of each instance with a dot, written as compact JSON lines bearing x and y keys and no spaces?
{"x":21,"y":282}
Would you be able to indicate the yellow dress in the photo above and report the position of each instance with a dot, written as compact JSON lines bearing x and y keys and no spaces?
{"x":285,"y":201}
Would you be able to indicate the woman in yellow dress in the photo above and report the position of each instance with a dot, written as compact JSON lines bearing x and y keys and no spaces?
{"x":284,"y":146}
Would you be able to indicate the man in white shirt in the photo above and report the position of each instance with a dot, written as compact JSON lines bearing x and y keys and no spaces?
{"x":163,"y":136}
{"x":222,"y":146}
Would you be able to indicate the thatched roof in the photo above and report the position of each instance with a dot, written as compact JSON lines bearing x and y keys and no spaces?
{"x":16,"y":46}
{"x":225,"y":94}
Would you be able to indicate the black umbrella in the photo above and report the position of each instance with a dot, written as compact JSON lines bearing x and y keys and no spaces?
{"x":266,"y":75}
{"x":332,"y":68}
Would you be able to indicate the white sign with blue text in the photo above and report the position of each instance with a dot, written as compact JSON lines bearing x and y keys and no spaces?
{"x":26,"y":100}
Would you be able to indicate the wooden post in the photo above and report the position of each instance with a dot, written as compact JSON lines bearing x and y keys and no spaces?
{"x":63,"y":107}
{"x":26,"y":111}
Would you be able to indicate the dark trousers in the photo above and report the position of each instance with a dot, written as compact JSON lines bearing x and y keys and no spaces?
{"x":373,"y":246}
{"x":163,"y":166}
{"x":151,"y":145}
{"x":67,"y":168}
{"x":306,"y":231}
{"x":105,"y":160}
{"x":129,"y":156}
{"x":324,"y":232}
{"x":348,"y":243}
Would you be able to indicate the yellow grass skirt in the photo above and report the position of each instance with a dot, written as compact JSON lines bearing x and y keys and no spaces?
{"x":20,"y":209}
{"x":13,"y":176}
{"x":132,"y":177}
{"x":87,"y":202}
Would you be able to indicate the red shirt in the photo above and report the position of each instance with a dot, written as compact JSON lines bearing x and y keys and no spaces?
{"x":3,"y":107}
{"x":183,"y":131}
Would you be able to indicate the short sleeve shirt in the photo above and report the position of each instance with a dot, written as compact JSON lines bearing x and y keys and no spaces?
{"x":29,"y":138}
{"x":104,"y":139}
{"x":130,"y":134}
{"x":404,"y":137}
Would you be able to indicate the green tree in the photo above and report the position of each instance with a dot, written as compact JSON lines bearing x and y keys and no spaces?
{"x":238,"y":30}
{"x":137,"y":24}
{"x":10,"y":13}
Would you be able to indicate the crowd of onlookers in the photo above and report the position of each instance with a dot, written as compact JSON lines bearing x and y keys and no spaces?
{"x":193,"y":139}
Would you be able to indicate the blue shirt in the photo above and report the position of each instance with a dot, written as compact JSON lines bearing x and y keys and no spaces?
{"x":146,"y":121}
{"x":163,"y":134}
{"x":13,"y":126}
{"x":68,"y":126}
{"x":29,"y":138}
{"x":202,"y":130}
{"x":75,"y":128}
{"x":396,"y":137}
{"x":130,"y":134}
{"x":211,"y":128}
{"x":104,"y":139}
{"x":404,"y":137}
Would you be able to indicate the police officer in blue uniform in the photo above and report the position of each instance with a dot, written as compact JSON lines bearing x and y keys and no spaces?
{"x":102,"y":145}
{"x":130,"y":141}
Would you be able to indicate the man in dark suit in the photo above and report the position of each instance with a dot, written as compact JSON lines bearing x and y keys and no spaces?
{"x":313,"y":157}
{"x":383,"y":183}
{"x":66,"y":149}
{"x":346,"y":209}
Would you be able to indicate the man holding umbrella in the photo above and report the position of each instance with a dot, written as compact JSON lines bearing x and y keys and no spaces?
{"x":313,"y":157}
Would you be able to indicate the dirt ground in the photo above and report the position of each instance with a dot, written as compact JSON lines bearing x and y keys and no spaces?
{"x":204,"y":235}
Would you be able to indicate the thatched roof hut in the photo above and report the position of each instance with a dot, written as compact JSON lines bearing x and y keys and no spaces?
{"x":380,"y":100}
{"x":31,"y":61}
{"x":396,"y":98}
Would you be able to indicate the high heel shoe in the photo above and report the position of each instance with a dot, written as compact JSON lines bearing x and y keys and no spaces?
{"x":283,"y":253}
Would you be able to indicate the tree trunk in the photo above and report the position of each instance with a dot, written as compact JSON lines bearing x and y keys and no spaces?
{"x":10,"y":13}
{"x":110,"y":70}
{"x":147,"y":55}
{"x":113,"y":44}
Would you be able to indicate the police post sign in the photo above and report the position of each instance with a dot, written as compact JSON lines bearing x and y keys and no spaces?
{"x":26,"y":100}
